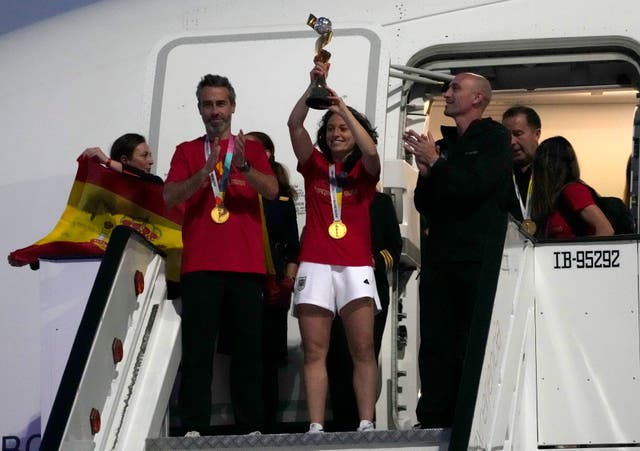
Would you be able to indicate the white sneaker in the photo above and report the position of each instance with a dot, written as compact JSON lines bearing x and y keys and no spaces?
{"x":192,"y":434}
{"x":366,"y":426}
{"x":316,"y":428}
{"x":255,"y":433}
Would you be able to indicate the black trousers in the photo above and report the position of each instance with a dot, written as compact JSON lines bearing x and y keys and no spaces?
{"x":448,"y":292}
{"x":274,"y":348}
{"x":340,"y":365}
{"x":203,"y":295}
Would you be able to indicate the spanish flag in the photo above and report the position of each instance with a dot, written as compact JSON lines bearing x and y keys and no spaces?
{"x":101,"y":199}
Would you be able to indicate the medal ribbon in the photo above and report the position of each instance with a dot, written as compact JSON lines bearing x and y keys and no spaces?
{"x":218,"y":190}
{"x":336,"y":194}
{"x":525,"y":208}
{"x":266,"y":244}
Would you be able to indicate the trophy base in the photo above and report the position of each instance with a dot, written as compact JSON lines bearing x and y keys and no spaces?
{"x":318,"y":99}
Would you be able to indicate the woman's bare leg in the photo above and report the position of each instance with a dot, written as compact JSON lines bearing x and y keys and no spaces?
{"x":357,"y":318}
{"x":315,"y":329}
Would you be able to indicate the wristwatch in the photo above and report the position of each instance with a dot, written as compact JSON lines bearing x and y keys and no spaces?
{"x":245,"y":166}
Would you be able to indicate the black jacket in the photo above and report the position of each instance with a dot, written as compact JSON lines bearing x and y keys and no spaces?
{"x":135,"y":172}
{"x":282,"y":227}
{"x":464,"y":197}
{"x":386,"y":241}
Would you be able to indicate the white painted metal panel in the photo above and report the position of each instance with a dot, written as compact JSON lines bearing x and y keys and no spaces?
{"x":507,"y":357}
{"x":401,"y":178}
{"x":64,"y":286}
{"x":140,"y":412}
{"x":588,"y":344}
{"x":102,"y":380}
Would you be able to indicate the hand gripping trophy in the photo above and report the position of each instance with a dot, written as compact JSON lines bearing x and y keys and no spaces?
{"x":318,"y":97}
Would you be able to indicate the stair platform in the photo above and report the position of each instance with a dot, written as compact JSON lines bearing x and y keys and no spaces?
{"x":412,"y":439}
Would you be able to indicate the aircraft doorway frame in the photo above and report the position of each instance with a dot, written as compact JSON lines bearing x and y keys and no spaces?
{"x":429,"y":68}
{"x":427,"y":71}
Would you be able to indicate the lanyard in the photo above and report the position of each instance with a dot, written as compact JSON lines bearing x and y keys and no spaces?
{"x":335,"y":188}
{"x":218,"y":190}
{"x":266,"y":244}
{"x":525,"y":208}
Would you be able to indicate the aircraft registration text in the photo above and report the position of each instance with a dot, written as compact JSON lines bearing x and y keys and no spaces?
{"x":586,"y":259}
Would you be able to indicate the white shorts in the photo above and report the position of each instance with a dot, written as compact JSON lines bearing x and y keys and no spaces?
{"x":332,"y":287}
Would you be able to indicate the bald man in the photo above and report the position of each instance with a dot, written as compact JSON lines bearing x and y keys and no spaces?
{"x":461,"y":190}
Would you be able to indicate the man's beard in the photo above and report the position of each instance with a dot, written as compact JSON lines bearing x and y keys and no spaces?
{"x":217,"y":128}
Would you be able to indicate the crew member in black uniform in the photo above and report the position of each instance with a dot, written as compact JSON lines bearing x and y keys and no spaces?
{"x":386,"y":243}
{"x":464,"y":179}
{"x":283,"y":240}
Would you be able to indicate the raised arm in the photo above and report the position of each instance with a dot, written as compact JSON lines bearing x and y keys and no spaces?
{"x":457,"y":181}
{"x":370,"y":157}
{"x":300,"y":139}
{"x":265,"y":184}
{"x":98,"y":154}
{"x":175,"y":193}
{"x":423,"y":148}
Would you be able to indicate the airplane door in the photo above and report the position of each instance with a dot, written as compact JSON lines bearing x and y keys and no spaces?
{"x":269,"y":71}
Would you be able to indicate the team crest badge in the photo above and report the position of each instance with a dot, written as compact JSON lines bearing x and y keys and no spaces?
{"x":300,"y":283}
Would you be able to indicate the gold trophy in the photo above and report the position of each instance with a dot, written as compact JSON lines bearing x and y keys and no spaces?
{"x":318,"y":97}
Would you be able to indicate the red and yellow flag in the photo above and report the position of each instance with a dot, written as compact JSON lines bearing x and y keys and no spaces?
{"x":101,"y":199}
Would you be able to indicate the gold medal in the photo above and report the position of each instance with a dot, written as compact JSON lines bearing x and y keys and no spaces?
{"x":529,"y":226}
{"x":219,"y":214}
{"x":337,"y":230}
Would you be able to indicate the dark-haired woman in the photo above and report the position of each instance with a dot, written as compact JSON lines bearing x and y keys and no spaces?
{"x":562,"y":206}
{"x":130,"y":154}
{"x":281,"y":227}
{"x":335,"y":273}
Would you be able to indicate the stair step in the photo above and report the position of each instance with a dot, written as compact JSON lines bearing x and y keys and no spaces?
{"x":399,"y":439}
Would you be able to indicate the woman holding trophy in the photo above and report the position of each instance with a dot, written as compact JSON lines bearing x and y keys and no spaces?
{"x":335,"y":274}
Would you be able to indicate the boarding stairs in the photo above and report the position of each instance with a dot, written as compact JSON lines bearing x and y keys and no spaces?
{"x":561,"y":367}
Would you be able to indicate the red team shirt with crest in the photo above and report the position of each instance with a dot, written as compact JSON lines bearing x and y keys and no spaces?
{"x":235,"y":245}
{"x":358,"y":193}
{"x":577,"y":197}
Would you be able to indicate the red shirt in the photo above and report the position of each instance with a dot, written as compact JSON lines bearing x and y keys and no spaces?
{"x":235,"y":245}
{"x":358,"y":193}
{"x":576,"y":197}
